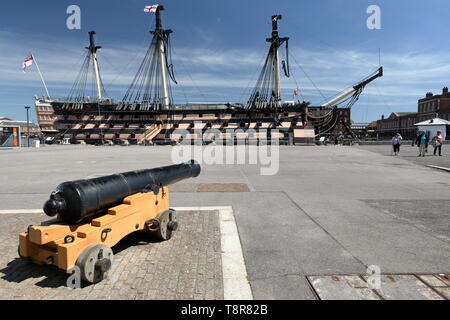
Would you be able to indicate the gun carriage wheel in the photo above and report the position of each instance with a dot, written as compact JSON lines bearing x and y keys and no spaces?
{"x":94,"y":262}
{"x":163,"y":225}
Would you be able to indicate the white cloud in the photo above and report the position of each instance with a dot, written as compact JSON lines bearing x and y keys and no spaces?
{"x":406,"y":78}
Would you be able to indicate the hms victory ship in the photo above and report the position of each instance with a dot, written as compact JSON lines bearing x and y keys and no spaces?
{"x":147,"y":114}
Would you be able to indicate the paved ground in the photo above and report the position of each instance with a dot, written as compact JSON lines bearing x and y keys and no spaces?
{"x":188,"y":266}
{"x":410,"y":153}
{"x":329,"y":210}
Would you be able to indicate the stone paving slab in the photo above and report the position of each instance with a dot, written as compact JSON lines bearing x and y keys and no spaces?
{"x":210,"y":187}
{"x":188,"y":266}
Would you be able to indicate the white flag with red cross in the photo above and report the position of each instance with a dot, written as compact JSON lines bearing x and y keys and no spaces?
{"x":151,"y":8}
{"x":27,"y":62}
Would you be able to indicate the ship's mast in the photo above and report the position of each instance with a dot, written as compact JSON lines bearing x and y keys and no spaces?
{"x":150,"y":87}
{"x":276,"y":42}
{"x":93,"y":50}
{"x":161,"y":45}
{"x":267,"y":92}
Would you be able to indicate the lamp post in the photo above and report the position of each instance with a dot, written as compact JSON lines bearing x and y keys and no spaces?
{"x":28,"y":127}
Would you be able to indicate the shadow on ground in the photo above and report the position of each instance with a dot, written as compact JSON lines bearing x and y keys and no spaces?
{"x":19,"y":269}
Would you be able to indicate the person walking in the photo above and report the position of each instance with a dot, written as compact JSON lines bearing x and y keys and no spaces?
{"x":396,"y":142}
{"x":422,"y":143}
{"x":437,"y":142}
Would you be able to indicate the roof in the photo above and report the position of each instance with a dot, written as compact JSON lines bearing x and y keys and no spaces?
{"x":404,"y":113}
{"x":395,"y":115}
{"x":17,"y":123}
{"x":372,"y":124}
{"x":433,"y":122}
{"x":359,"y":125}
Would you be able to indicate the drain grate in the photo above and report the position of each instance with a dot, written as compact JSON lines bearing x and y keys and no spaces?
{"x":392,"y":287}
{"x":210,"y":187}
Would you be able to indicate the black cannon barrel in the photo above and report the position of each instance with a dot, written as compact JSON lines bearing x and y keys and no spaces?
{"x":73,"y":201}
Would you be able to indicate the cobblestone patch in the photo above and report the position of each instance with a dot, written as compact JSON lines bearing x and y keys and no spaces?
{"x":188,"y":266}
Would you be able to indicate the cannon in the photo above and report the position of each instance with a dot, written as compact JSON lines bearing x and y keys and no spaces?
{"x":93,"y":215}
{"x":73,"y":201}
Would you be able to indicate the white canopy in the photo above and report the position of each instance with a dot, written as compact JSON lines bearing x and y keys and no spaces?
{"x":433,"y":122}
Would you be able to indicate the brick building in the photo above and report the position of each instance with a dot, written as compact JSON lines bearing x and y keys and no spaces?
{"x":429,"y":107}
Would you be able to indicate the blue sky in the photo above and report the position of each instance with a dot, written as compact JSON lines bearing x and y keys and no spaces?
{"x":219,"y":47}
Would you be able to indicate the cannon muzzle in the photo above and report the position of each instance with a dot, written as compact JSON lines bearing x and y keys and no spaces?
{"x":73,"y":201}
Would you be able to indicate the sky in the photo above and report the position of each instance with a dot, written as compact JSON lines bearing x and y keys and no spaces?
{"x":219,"y":47}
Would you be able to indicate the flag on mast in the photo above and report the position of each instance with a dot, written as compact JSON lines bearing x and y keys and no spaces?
{"x":151,"y":8}
{"x":27,"y":62}
{"x":296,"y":91}
{"x":273,"y":20}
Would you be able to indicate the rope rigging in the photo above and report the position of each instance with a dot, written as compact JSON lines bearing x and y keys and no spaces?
{"x":150,"y":86}
{"x":78,"y":91}
{"x":266,"y":93}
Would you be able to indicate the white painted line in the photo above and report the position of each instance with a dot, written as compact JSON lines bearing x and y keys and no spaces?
{"x":440,"y":168}
{"x":235,"y":280}
{"x":16,"y":211}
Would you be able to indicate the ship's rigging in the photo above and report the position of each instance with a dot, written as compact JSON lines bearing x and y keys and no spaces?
{"x":267,"y":91}
{"x":150,"y":87}
{"x":78,"y":91}
{"x":150,"y":93}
